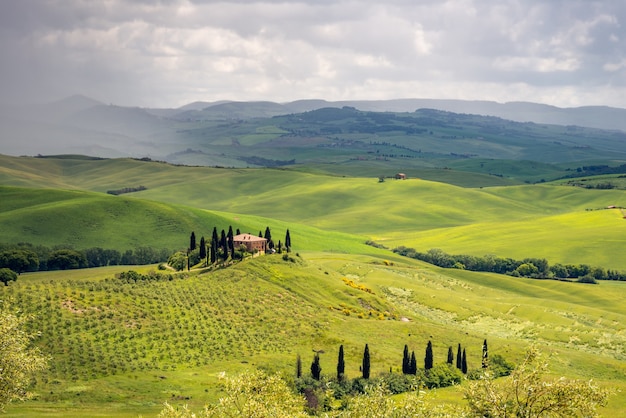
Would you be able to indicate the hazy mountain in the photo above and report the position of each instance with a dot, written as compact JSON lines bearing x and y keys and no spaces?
{"x":79,"y":124}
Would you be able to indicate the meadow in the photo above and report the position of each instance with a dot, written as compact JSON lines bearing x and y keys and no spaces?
{"x":121,"y":347}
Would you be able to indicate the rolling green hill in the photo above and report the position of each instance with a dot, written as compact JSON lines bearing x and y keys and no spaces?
{"x":121,"y":348}
{"x":546,"y":220}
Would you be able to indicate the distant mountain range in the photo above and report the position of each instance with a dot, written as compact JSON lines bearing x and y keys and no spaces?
{"x":81,"y":125}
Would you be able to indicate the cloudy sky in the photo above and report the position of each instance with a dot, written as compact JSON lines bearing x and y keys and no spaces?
{"x":172,"y":52}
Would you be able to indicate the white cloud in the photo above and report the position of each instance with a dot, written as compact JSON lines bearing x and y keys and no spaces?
{"x":171,"y":52}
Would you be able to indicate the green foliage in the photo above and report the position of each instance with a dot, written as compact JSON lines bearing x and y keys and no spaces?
{"x":66,"y":259}
{"x":527,"y":393}
{"x":250,"y":394}
{"x":19,"y":260}
{"x":442,"y":375}
{"x":178,"y":261}
{"x":18,"y":360}
{"x":7,"y":275}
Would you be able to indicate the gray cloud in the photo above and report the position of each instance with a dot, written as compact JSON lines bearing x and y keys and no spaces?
{"x":168,"y":53}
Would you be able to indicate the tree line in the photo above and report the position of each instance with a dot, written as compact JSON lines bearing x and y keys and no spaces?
{"x":318,"y":389}
{"x":221,"y":248}
{"x":26,"y":257}
{"x":529,"y":267}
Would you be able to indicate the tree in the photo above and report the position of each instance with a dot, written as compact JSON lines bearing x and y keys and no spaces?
{"x":316,"y":368}
{"x":231,"y":242}
{"x":7,"y":275}
{"x":288,"y":241}
{"x":485,"y":362}
{"x":202,"y":248}
{"x":413,"y":364}
{"x":66,"y":259}
{"x":18,"y":361}
{"x":341,"y":365}
{"x":224,"y":245}
{"x":459,"y":358}
{"x":298,"y":367}
{"x":527,"y":393}
{"x":192,"y":241}
{"x":428,"y":358}
{"x":450,"y":356}
{"x":366,"y":363}
{"x":19,"y":260}
{"x":406,"y":360}
{"x":464,"y":363}
{"x":178,"y":260}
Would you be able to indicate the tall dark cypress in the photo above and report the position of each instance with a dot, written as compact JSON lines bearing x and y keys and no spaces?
{"x":450,"y":356}
{"x":406,"y":361}
{"x":428,"y":358}
{"x":238,"y":232}
{"x":192,"y":241}
{"x":224,"y":245}
{"x":485,"y":355}
{"x":214,"y":245}
{"x":459,"y":358}
{"x":298,"y":367}
{"x":413,"y":364}
{"x":341,"y":365}
{"x":365,"y":369}
{"x":464,"y":363}
{"x":202,"y":248}
{"x":288,"y":241}
{"x":231,"y":242}
{"x":316,"y":368}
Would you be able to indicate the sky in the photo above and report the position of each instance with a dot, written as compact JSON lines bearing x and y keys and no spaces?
{"x":169,"y":53}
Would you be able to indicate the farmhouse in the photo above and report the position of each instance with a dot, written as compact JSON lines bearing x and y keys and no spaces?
{"x":252,"y":243}
{"x":400,"y":176}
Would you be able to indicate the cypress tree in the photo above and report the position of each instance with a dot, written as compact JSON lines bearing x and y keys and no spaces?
{"x":413,"y":364}
{"x":288,"y":241}
{"x":428,"y":359}
{"x":316,"y":369}
{"x":231,"y":242}
{"x":464,"y":363}
{"x":450,"y":356}
{"x":459,"y":358}
{"x":406,"y":361}
{"x":202,"y":248}
{"x":224,"y":245}
{"x":238,"y":232}
{"x":214,"y":245}
{"x":485,"y":355}
{"x":192,"y":241}
{"x":298,"y":367}
{"x":280,"y":247}
{"x":341,"y":365}
{"x":365,"y":369}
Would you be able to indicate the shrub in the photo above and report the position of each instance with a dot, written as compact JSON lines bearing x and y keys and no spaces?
{"x":442,"y":375}
{"x":7,"y":275}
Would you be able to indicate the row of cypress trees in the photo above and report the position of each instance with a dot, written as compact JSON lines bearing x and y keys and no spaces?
{"x":409,"y":362}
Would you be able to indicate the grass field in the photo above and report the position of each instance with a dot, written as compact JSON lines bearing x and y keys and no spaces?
{"x":123,"y":348}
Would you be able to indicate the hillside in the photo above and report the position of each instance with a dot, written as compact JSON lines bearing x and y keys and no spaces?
{"x":121,"y":348}
{"x":390,"y":137}
{"x":555,"y":221}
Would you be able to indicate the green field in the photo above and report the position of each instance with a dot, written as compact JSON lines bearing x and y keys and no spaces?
{"x":122,"y":348}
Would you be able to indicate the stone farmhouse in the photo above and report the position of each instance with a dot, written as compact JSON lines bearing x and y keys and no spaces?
{"x":252,"y":243}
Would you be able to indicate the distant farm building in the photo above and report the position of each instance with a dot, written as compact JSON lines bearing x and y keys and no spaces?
{"x":400,"y":176}
{"x":252,"y":243}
